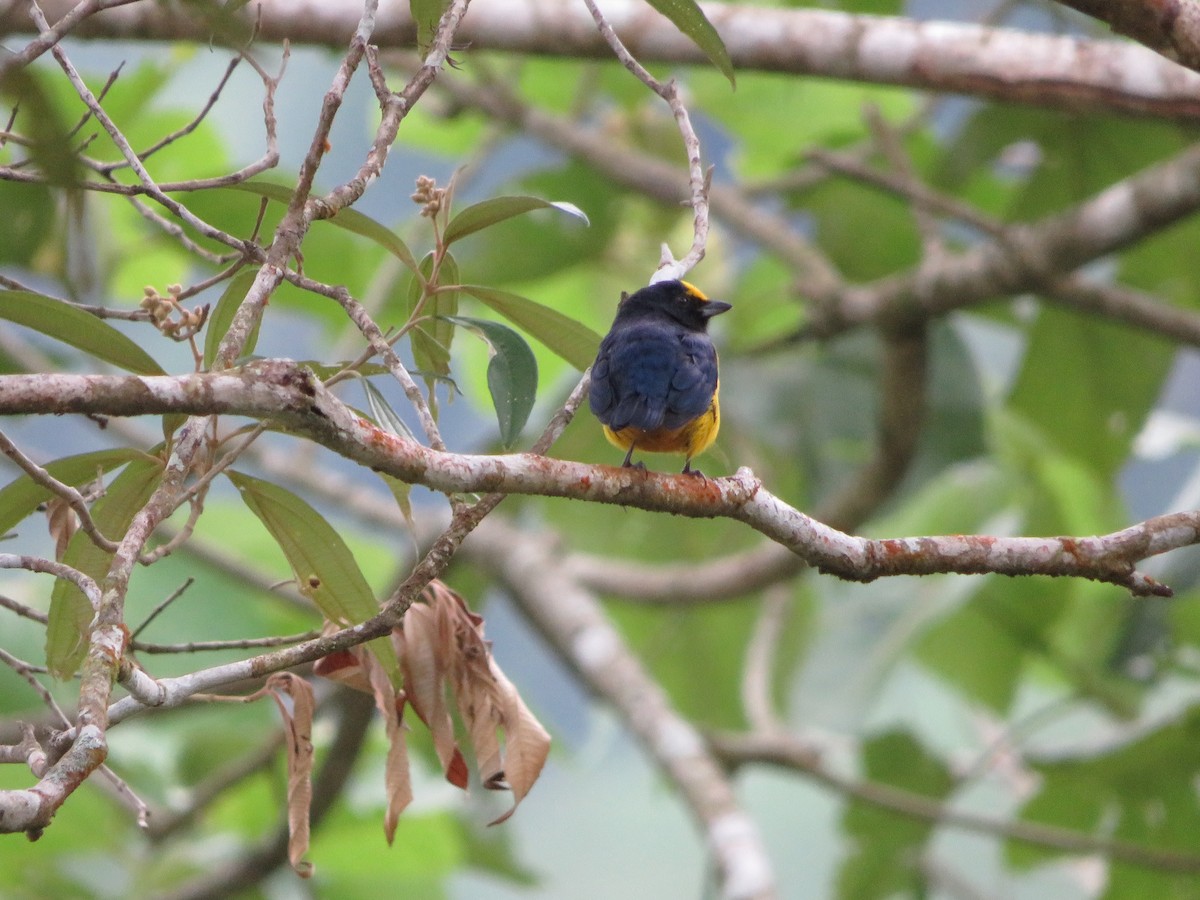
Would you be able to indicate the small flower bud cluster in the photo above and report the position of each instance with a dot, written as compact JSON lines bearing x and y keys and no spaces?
{"x":162,"y":310}
{"x":429,"y":196}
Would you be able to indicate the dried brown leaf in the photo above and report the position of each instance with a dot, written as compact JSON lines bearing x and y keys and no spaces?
{"x":441,"y":644}
{"x":526,"y":743}
{"x":62,"y":524}
{"x":297,"y":723}
{"x":343,"y":667}
{"x":397,"y":779}
{"x":423,"y":658}
{"x":490,"y":704}
{"x":479,"y":704}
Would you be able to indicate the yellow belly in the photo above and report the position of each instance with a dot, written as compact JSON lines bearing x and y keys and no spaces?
{"x":691,"y":439}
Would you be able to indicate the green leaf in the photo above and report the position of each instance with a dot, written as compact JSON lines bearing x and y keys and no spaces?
{"x":80,"y":329}
{"x":326,"y":370}
{"x":560,"y":245}
{"x":222,"y":315}
{"x":28,"y":220}
{"x":845,"y":211}
{"x":70,"y":612}
{"x":981,"y":649}
{"x":40,"y":118}
{"x":1128,"y":792}
{"x":323,"y":566}
{"x":497,"y":209}
{"x":511,"y":375}
{"x":690,"y":19}
{"x":431,"y":339}
{"x":427,"y":14}
{"x":444,"y":305}
{"x":22,"y":496}
{"x":887,"y":845}
{"x":347,"y":219}
{"x":1115,"y":376}
{"x":402,"y":493}
{"x":384,"y":415}
{"x":573,"y":341}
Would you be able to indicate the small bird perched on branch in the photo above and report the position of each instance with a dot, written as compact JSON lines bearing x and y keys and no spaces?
{"x":654,"y":381}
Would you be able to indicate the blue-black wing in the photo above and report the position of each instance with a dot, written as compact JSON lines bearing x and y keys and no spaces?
{"x":652,"y":375}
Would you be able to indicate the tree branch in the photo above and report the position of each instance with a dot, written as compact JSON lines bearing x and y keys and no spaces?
{"x":788,"y":752}
{"x":999,"y":63}
{"x":1171,"y":28}
{"x":1024,"y":256}
{"x":281,"y":391}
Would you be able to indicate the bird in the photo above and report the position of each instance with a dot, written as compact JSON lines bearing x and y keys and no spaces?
{"x":654,"y":383}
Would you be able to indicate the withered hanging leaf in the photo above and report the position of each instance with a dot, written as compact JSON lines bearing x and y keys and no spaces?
{"x":526,"y":742}
{"x":62,"y":523}
{"x":489,"y":703}
{"x":424,"y":644}
{"x":297,"y":723}
{"x":397,"y":777}
{"x":360,"y":670}
{"x":440,"y":644}
{"x":343,"y":667}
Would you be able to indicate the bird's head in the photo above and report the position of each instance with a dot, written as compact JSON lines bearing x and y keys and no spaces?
{"x":678,"y":300}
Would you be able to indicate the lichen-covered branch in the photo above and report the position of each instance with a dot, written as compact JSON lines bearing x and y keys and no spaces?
{"x":281,"y":391}
{"x":998,"y":63}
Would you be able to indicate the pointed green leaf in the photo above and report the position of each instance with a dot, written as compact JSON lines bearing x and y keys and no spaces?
{"x":497,"y":209}
{"x":347,"y":219}
{"x":323,"y":566}
{"x":22,"y":496}
{"x":401,"y":493}
{"x":690,"y":19}
{"x":70,"y":612}
{"x":222,"y":315}
{"x":325,"y":370}
{"x":80,"y":329}
{"x":431,"y":339}
{"x":427,"y":14}
{"x":512,"y":375}
{"x":384,"y":415}
{"x":41,"y":118}
{"x":573,"y":341}
{"x":445,"y":304}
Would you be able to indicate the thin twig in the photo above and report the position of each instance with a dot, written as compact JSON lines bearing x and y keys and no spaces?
{"x":241,"y":644}
{"x":70,"y":495}
{"x":119,"y":140}
{"x":27,"y":671}
{"x":761,"y":651}
{"x":383,"y":348}
{"x":171,"y":598}
{"x":59,"y":570}
{"x":698,"y":180}
{"x":187,"y":129}
{"x":788,"y":752}
{"x":21,"y":609}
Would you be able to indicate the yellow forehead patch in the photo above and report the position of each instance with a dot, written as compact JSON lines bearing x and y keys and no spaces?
{"x":695,"y":291}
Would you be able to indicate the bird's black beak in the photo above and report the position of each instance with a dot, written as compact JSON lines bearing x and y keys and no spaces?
{"x":714,"y":308}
